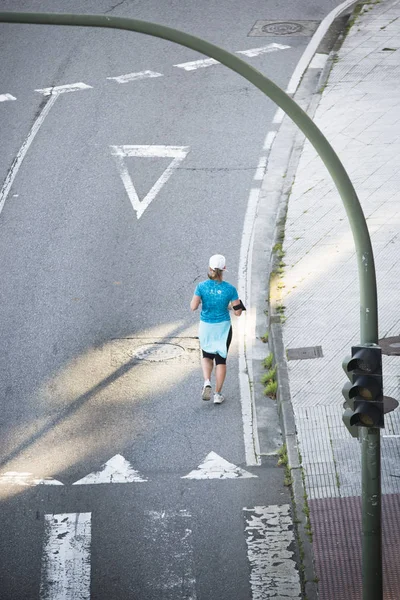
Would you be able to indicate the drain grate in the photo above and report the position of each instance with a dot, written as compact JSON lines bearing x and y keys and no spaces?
{"x":304,"y":353}
{"x":286,"y":28}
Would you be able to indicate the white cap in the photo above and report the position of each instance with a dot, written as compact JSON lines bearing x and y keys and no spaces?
{"x":217,"y":261}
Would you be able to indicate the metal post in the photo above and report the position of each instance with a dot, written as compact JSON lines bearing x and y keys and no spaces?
{"x":371,"y":485}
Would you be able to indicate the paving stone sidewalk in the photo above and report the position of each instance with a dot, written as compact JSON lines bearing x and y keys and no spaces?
{"x":359,"y":112}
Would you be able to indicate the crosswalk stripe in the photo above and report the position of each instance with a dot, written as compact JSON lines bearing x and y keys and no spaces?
{"x":269,"y":538}
{"x":66,"y":557}
{"x":174,"y":576}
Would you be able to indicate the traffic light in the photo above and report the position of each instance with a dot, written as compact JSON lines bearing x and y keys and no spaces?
{"x":363,"y":392}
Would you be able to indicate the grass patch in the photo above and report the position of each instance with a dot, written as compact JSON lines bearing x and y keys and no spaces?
{"x":269,"y":376}
{"x":271,"y":389}
{"x":268,"y":361}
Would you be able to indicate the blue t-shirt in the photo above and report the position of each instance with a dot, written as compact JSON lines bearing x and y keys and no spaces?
{"x":215,"y":297}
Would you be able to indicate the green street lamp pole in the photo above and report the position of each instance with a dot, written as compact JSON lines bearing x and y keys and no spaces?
{"x":370,"y":437}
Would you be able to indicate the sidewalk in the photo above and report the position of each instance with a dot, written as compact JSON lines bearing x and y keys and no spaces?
{"x":359,"y":113}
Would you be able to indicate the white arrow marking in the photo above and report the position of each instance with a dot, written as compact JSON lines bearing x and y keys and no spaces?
{"x":177,"y":153}
{"x":17,"y":478}
{"x":61,"y":89}
{"x":198,"y":64}
{"x":5,"y":97}
{"x":66,"y":557}
{"x":216,"y":467}
{"x":135,"y":76}
{"x":115,"y":470}
{"x":263,"y":50}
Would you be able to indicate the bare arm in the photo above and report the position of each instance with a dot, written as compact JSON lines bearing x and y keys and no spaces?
{"x":195,"y":302}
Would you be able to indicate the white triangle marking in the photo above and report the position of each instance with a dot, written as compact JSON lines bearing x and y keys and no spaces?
{"x":177,"y":153}
{"x":216,"y":467}
{"x":115,"y":470}
{"x":23,"y":478}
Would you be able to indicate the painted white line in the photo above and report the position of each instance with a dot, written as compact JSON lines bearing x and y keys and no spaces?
{"x":263,"y":50}
{"x":135,"y":76}
{"x":12,"y":173}
{"x":319,"y":61}
{"x":391,"y":436}
{"x":216,"y":467}
{"x":269,"y":140}
{"x":23,"y":478}
{"x":314,"y":43}
{"x":5,"y":97}
{"x":246,"y":334}
{"x":270,"y":541}
{"x":115,"y":470}
{"x":62,"y":89}
{"x":260,"y":172}
{"x":198,"y":64}
{"x":177,"y":153}
{"x":172,"y":573}
{"x":278,"y":118}
{"x":66,"y":557}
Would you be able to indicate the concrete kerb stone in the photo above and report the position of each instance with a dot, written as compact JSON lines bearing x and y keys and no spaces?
{"x":308,"y":97}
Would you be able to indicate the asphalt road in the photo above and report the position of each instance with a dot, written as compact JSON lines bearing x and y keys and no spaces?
{"x":86,"y":284}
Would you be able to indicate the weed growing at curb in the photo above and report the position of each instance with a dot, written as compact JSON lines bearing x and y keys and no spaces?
{"x":265,"y":337}
{"x":284,"y":462}
{"x":267,"y":362}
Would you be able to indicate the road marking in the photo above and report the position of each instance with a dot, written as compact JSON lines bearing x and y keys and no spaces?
{"x":5,"y":97}
{"x":12,"y":173}
{"x":246,"y":334}
{"x":270,"y":539}
{"x":269,"y":140}
{"x":23,"y":478}
{"x":198,"y":64}
{"x":120,"y":153}
{"x":62,"y":89}
{"x":263,"y":50}
{"x":216,"y":467}
{"x":172,"y":575}
{"x":66,"y":557}
{"x":115,"y":470}
{"x":135,"y":76}
{"x":260,"y":172}
{"x":278,"y":118}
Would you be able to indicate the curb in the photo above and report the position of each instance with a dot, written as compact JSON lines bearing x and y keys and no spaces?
{"x":308,"y":96}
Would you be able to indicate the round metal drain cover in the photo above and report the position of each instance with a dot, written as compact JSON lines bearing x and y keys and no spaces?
{"x":390,"y":346}
{"x":282,"y":28}
{"x":158,"y":352}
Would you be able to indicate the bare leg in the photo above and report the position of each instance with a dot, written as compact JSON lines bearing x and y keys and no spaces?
{"x":207,"y":366}
{"x":220,"y":373}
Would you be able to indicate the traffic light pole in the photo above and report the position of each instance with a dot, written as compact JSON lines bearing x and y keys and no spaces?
{"x":370,"y":438}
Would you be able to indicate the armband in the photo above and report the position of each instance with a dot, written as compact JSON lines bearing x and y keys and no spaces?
{"x":240,"y":306}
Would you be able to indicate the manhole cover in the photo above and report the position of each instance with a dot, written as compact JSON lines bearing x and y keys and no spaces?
{"x":304,"y":353}
{"x":282,"y":28}
{"x":158,"y":352}
{"x":390,"y":346}
{"x":275,"y":28}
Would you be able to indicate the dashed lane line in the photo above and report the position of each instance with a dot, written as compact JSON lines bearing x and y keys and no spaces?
{"x":135,"y":76}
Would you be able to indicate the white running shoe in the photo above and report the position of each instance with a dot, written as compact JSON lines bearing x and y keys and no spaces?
{"x":206,"y":395}
{"x":218,"y":398}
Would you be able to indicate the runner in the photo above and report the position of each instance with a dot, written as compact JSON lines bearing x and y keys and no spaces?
{"x":215,"y":331}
